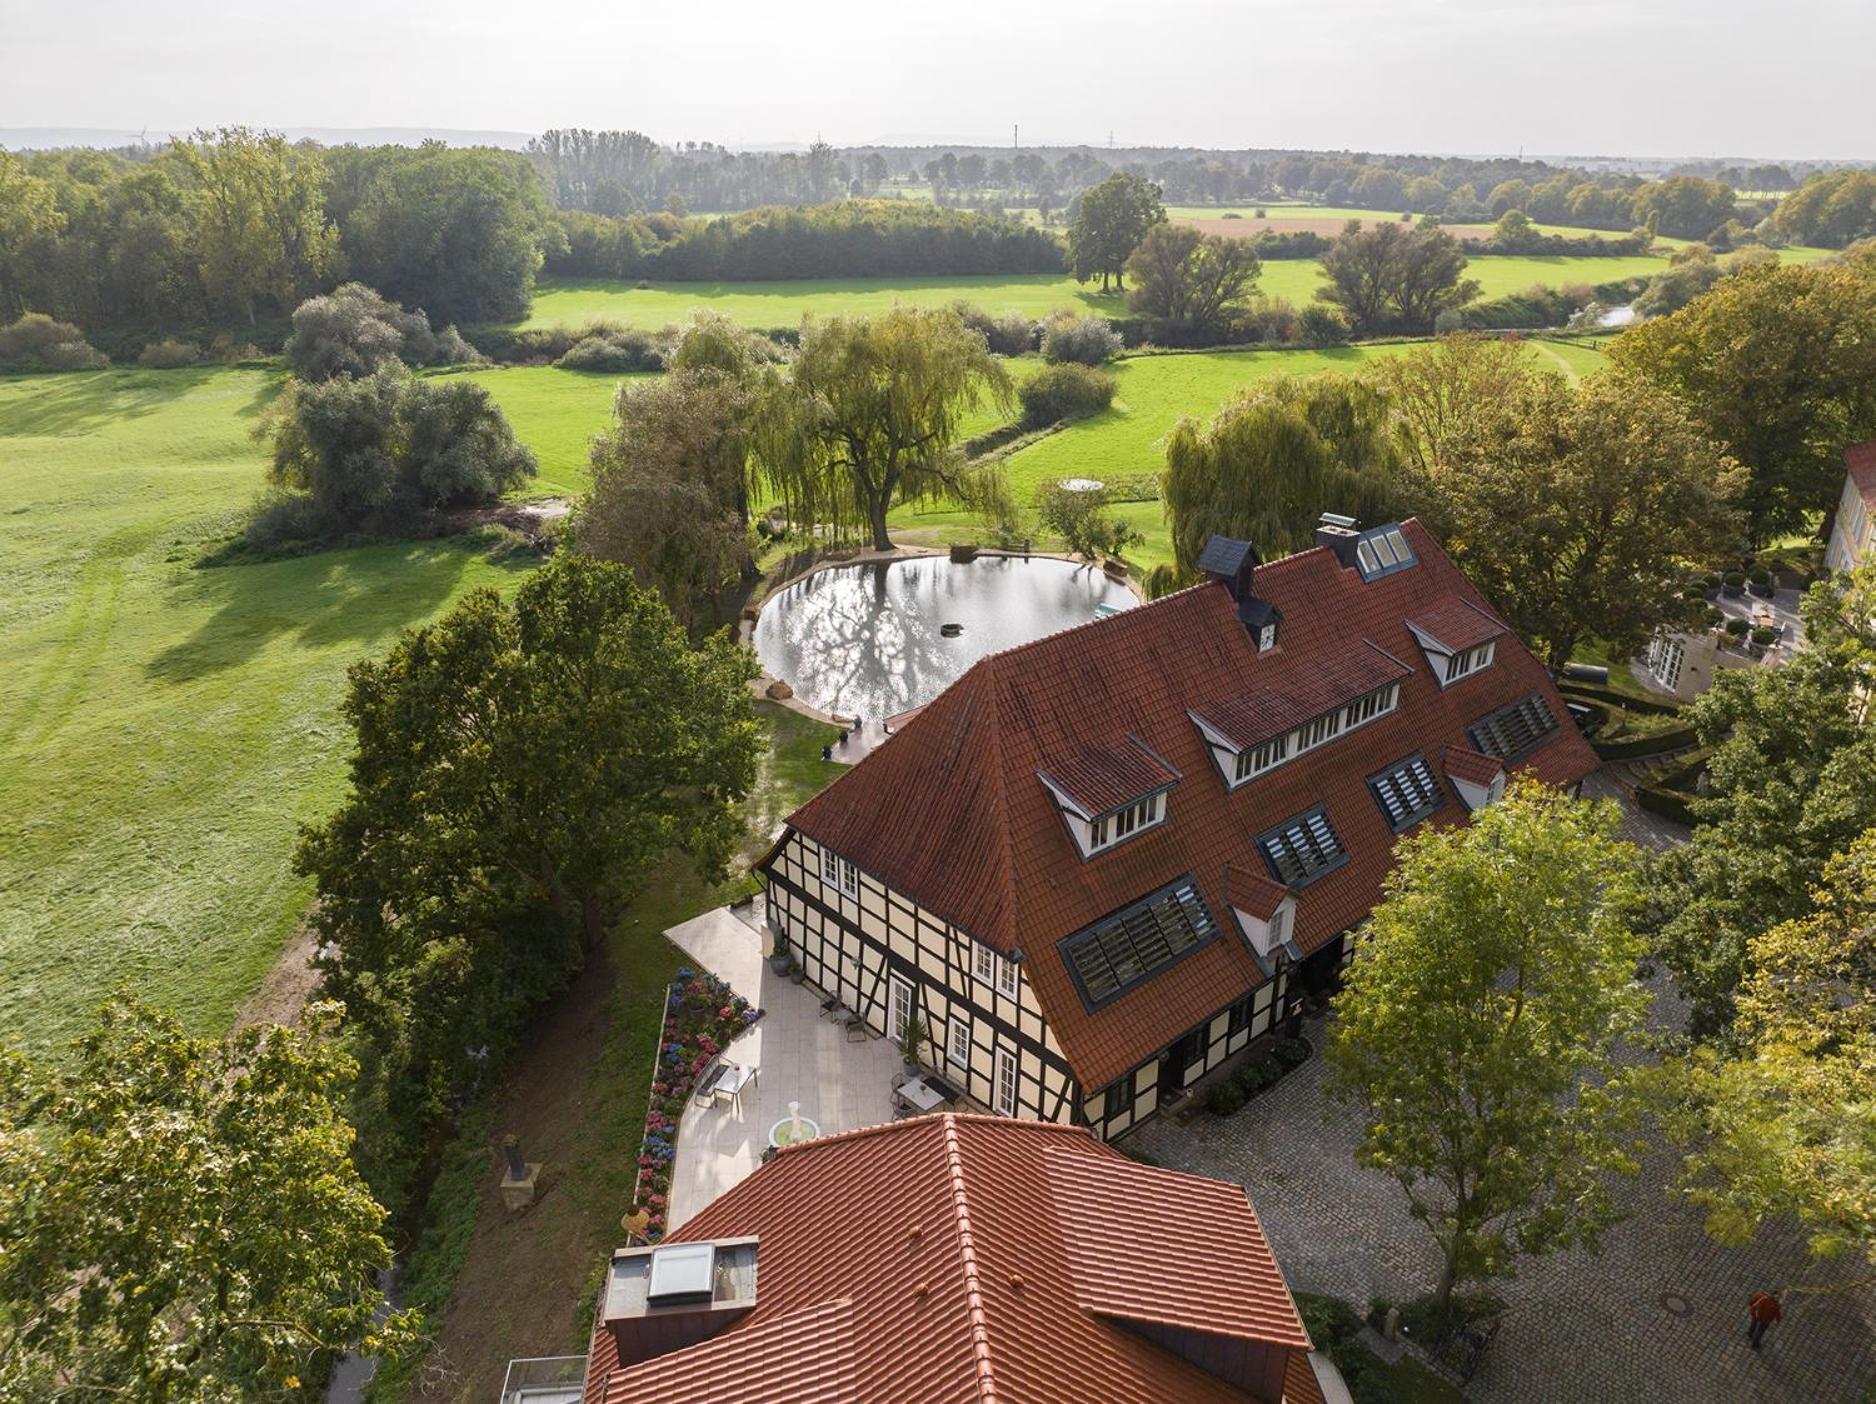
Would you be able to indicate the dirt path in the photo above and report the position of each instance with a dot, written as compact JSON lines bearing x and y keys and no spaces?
{"x":525,"y":1274}
{"x":289,"y":985}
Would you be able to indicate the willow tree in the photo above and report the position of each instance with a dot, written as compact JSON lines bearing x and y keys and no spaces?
{"x":869,"y":416}
{"x":1274,"y":460}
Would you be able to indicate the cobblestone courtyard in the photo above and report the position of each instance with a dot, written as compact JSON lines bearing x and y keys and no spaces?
{"x":1658,"y":1318}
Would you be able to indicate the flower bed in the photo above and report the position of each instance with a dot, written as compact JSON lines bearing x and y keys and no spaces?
{"x":701,"y":1015}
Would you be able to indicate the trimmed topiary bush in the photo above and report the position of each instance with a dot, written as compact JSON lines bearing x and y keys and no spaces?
{"x":1764,"y":637}
{"x":1738,"y":628}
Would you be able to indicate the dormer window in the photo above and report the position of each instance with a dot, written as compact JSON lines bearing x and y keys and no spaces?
{"x":1473,"y":659}
{"x":1459,"y":639}
{"x":1107,"y":794}
{"x":1110,"y":829}
{"x":1250,"y":734}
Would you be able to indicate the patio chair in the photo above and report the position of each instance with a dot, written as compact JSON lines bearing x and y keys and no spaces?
{"x":855,"y":1026}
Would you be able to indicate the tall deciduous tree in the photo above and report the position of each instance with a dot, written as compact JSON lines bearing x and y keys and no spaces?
{"x":29,"y":211}
{"x":259,"y":209}
{"x":519,"y":768}
{"x":181,"y":1216}
{"x":1779,"y":364}
{"x":669,"y":495}
{"x":1190,"y":282}
{"x":1441,"y":396}
{"x":1783,"y":1122}
{"x":1479,"y":1027}
{"x":1110,"y":221}
{"x":1580,"y":512}
{"x":1276,"y":458}
{"x":1791,"y":780}
{"x":1394,"y":275}
{"x":871,"y":411}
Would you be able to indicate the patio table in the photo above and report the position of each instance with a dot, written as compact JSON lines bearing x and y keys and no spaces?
{"x":728,"y":1080}
{"x":920,"y":1095}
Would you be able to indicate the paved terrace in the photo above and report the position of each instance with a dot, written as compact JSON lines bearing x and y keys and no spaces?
{"x":1659,"y":1316}
{"x":799,"y":1055}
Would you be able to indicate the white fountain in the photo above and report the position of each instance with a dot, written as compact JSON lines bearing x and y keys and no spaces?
{"x":794,"y":1128}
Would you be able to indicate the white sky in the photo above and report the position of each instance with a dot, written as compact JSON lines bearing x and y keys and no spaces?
{"x":1619,"y":77}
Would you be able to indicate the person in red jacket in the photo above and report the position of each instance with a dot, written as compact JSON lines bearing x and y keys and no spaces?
{"x":1765,"y":1313}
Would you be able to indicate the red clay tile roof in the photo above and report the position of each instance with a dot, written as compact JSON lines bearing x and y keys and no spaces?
{"x":967,"y":1258}
{"x":1277,"y":701}
{"x":950,"y":812}
{"x":1103,"y":778}
{"x":1860,"y":460}
{"x":1473,"y":767}
{"x":1254,"y":893}
{"x":1459,"y":625}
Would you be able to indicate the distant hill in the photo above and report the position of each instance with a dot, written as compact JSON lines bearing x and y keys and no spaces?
{"x":46,"y":138}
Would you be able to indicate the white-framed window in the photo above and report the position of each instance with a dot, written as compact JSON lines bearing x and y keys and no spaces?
{"x":1005,"y":1083}
{"x":1279,"y":927}
{"x":898,"y":1006}
{"x":1459,"y":665}
{"x":838,"y":873}
{"x":1112,"y":828}
{"x":1322,"y":729}
{"x":1666,"y":657}
{"x":1258,"y":759}
{"x":996,"y":969}
{"x":958,"y":1044}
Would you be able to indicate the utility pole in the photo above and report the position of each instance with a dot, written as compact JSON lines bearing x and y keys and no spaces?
{"x":1015,"y":139}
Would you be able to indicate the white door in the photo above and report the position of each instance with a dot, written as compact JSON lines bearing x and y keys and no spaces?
{"x":1006,"y":1082}
{"x":899,"y":1006}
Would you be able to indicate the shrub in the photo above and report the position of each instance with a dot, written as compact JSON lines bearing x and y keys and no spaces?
{"x":1088,"y":340}
{"x":1079,"y":516}
{"x":1259,"y":213}
{"x":1738,"y":628}
{"x":168,"y":354}
{"x":627,"y":350}
{"x":37,"y":343}
{"x":1068,"y":391}
{"x":1012,"y":334}
{"x":354,"y":330}
{"x":1765,"y":636}
{"x":1161,"y":580}
{"x":1319,"y":325}
{"x":1761,"y":576}
{"x":1714,"y":616}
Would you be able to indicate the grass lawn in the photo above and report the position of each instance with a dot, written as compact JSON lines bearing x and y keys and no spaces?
{"x":556,"y":413}
{"x":164,"y":729}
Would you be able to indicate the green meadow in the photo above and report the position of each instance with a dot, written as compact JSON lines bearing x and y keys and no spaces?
{"x":783,"y":303}
{"x":164,"y":729}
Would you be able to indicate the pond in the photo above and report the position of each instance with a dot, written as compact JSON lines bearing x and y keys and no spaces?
{"x":876,"y":639}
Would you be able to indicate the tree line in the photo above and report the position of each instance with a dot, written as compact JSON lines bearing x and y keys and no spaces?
{"x":851,"y":239}
{"x":235,"y":228}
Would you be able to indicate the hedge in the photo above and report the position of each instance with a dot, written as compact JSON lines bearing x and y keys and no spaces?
{"x":1674,"y":739}
{"x":1592,"y":693}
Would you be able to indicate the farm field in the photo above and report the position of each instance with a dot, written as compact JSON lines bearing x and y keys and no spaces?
{"x":164,"y":729}
{"x":783,"y":303}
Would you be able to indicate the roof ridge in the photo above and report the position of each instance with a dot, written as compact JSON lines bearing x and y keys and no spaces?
{"x":967,"y":1249}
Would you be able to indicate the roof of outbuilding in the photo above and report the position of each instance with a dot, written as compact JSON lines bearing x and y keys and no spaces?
{"x":951,"y":813}
{"x":965,"y":1258}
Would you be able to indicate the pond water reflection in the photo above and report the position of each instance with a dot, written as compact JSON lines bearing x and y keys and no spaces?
{"x":870,"y":640}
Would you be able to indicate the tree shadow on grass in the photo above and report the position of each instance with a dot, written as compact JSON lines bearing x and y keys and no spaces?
{"x":79,"y":402}
{"x":361,"y":596}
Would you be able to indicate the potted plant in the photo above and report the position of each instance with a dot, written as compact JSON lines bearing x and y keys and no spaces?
{"x":912,"y":1039}
{"x":1737,"y":629}
{"x":781,"y":959}
{"x":1762,"y":583}
{"x":1733,"y":585}
{"x":1765,"y":636}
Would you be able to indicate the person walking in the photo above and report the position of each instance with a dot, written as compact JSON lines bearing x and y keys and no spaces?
{"x":1765,"y":1313}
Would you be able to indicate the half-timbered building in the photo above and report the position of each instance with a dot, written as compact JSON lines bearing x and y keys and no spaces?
{"x":1102,"y":863}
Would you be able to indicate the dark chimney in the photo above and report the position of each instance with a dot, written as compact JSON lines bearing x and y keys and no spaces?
{"x":1233,"y":562}
{"x":1338,"y":533}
